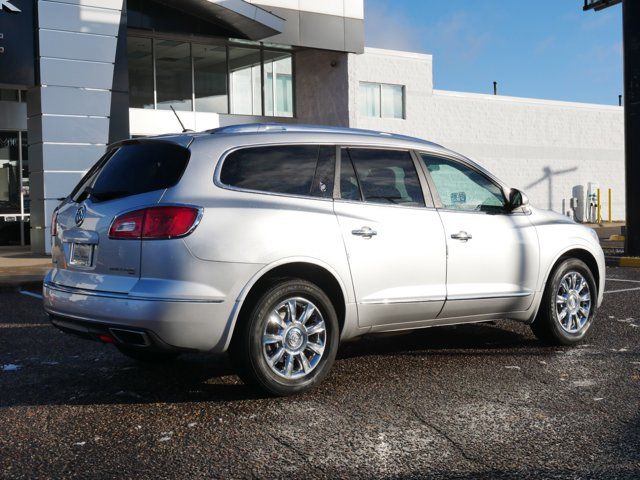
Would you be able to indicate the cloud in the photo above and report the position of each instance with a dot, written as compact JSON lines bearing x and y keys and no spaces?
{"x":386,"y":27}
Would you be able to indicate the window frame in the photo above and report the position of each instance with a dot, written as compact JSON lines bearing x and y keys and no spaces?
{"x":423,"y":181}
{"x":221,"y":42}
{"x":465,"y":162}
{"x":379,"y":95}
{"x":218,"y":170}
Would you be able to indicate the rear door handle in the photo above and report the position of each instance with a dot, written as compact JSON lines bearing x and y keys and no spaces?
{"x":364,"y":232}
{"x":462,"y":236}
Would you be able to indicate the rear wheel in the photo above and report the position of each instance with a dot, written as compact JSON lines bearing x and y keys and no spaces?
{"x":147,"y":356}
{"x":568,"y":304}
{"x":288,"y":342}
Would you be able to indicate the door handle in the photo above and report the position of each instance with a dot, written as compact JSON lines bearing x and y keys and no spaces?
{"x":462,"y":236}
{"x":364,"y":232}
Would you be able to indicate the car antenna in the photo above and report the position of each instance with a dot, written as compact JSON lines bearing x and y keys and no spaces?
{"x":184,"y":130}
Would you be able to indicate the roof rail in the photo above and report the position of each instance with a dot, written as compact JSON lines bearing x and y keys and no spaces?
{"x":297,"y":127}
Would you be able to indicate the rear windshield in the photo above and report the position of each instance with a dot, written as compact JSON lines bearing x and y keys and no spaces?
{"x":133,"y":169}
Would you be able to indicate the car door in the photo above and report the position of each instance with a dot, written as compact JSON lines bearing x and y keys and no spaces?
{"x":393,"y":237}
{"x":493,"y":254}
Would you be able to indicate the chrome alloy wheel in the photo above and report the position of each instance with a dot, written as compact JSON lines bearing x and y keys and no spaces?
{"x":294,"y":338}
{"x":573,"y":302}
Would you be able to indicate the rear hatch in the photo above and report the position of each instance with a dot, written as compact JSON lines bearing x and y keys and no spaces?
{"x":131,"y":175}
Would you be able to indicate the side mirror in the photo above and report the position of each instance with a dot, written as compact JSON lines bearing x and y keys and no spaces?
{"x":517,"y":199}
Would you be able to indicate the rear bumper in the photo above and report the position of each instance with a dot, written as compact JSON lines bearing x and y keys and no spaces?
{"x":183,"y":324}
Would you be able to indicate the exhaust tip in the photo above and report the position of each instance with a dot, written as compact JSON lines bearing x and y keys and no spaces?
{"x":130,"y":337}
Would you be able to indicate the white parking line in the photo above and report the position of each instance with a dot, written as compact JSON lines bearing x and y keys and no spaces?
{"x":31,"y":294}
{"x":623,"y":290}
{"x":621,"y":280}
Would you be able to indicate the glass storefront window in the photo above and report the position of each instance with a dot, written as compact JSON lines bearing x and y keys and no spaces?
{"x":9,"y":173}
{"x":14,"y":188}
{"x":210,"y":78}
{"x":278,"y":84}
{"x":140,"y":53}
{"x":9,"y":95}
{"x":244,"y":79}
{"x":173,"y":75}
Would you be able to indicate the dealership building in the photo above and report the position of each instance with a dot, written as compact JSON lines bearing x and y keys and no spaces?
{"x":76,"y":75}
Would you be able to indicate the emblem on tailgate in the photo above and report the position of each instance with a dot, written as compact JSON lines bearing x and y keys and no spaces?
{"x":80,"y":214}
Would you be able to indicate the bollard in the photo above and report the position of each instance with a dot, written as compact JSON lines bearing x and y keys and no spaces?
{"x":610,"y":207}
{"x":599,"y":207}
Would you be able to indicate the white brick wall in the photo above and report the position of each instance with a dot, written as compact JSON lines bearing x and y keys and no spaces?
{"x":544,"y":147}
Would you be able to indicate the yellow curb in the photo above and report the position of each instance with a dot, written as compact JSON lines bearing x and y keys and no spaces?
{"x":616,"y":238}
{"x":629,"y":262}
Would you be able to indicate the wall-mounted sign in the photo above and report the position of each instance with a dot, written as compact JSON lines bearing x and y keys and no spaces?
{"x":17,"y":39}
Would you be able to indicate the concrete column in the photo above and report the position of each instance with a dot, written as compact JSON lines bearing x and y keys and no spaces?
{"x":69,"y":110}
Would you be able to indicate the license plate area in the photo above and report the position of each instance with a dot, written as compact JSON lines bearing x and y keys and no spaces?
{"x":81,"y":255}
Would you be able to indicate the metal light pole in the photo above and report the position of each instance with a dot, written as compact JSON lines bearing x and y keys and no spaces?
{"x":631,"y":34}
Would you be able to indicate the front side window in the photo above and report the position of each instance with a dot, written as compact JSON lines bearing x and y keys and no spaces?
{"x":463,"y":188}
{"x":384,"y":176}
{"x":305,"y":170}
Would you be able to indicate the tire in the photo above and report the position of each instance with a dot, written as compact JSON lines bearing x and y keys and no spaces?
{"x":148,"y":356}
{"x":286,"y":340}
{"x":550,"y":325}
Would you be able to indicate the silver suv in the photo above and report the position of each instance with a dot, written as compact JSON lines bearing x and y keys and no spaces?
{"x":277,"y":242}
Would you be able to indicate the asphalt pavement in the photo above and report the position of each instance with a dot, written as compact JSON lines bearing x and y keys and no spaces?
{"x":474,"y":401}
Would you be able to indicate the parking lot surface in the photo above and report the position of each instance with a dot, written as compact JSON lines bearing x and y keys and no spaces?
{"x":472,"y":401}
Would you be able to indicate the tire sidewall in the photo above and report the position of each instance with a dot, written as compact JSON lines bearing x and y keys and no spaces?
{"x":565,"y":267}
{"x":268,"y":379}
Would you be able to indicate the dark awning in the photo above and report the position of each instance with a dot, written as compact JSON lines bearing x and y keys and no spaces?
{"x":250,"y":21}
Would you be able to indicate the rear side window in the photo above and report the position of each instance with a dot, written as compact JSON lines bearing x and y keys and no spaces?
{"x":138,"y":168}
{"x":384,"y":176}
{"x":291,"y":169}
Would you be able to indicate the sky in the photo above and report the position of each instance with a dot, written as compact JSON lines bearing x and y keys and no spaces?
{"x":547,"y":49}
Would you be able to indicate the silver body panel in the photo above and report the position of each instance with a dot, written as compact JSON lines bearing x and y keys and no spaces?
{"x":411,"y":274}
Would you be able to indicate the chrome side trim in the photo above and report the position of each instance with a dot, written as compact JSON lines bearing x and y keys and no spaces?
{"x":123,"y":296}
{"x":435,"y":298}
{"x":490,"y":296}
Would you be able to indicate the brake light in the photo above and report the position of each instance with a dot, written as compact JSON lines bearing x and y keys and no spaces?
{"x":54,"y":223}
{"x":155,"y":223}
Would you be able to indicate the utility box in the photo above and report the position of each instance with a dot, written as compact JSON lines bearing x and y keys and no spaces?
{"x":580,"y":201}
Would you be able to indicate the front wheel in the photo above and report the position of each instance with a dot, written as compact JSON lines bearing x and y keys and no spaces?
{"x":289,"y":340}
{"x":568,"y":304}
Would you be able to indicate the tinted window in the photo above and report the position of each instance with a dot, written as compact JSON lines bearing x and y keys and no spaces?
{"x":292,"y":169}
{"x":349,"y":188}
{"x":387,"y":176}
{"x":139,"y":168}
{"x":325,"y":172}
{"x":463,"y":188}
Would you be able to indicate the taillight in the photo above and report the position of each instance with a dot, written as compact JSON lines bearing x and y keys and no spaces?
{"x":155,"y":223}
{"x":54,"y":223}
